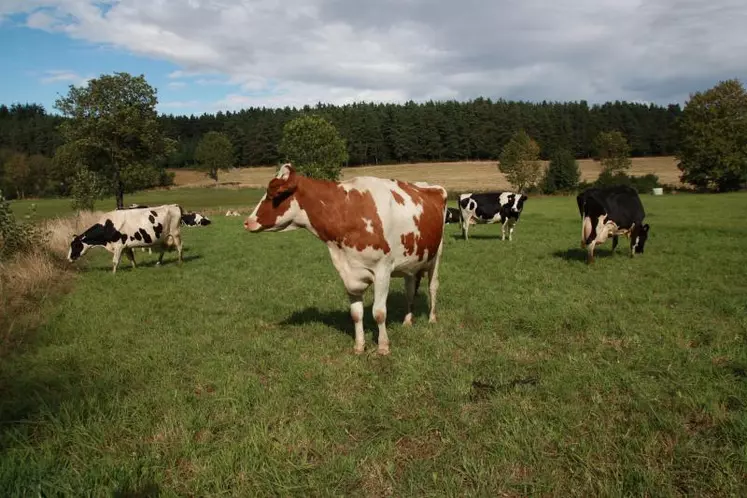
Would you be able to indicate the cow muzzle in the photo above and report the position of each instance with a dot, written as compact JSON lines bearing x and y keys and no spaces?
{"x":252,"y":225}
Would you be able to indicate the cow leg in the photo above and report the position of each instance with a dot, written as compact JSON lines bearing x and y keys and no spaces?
{"x":433,"y":284}
{"x":614,"y":242}
{"x":381,"y":291}
{"x":503,"y":230}
{"x":590,"y":252}
{"x":161,"y":251}
{"x":511,"y":224}
{"x":131,"y":256}
{"x":465,"y":226}
{"x":116,"y":258}
{"x":410,"y":290}
{"x":586,"y":231}
{"x":356,"y":313}
{"x":178,"y":242}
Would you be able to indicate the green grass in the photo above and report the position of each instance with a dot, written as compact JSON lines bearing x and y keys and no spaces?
{"x":191,"y":199}
{"x":234,"y":375}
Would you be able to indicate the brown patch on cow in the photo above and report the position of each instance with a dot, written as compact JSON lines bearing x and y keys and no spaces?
{"x":340,"y":216}
{"x":398,"y":198}
{"x":408,"y":241}
{"x":430,"y":223}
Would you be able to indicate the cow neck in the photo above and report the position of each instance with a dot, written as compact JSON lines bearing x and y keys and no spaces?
{"x":313,"y":196}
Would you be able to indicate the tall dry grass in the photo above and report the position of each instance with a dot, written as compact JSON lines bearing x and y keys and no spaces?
{"x":29,"y":279}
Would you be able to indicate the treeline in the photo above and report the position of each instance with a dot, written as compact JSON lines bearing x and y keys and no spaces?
{"x":436,"y":131}
{"x":391,"y":133}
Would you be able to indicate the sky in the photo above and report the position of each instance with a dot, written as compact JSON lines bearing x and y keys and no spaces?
{"x":220,"y":55}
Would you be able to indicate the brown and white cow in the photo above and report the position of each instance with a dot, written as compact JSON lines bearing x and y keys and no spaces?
{"x":374,"y":228}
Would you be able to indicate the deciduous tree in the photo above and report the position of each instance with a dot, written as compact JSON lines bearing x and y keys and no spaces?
{"x":215,"y":152}
{"x":114,"y":128}
{"x":519,"y":161}
{"x":314,"y":147}
{"x":613,"y":151}
{"x":713,"y":132}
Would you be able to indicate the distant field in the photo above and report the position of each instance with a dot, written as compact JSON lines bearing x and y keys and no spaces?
{"x":454,"y":176}
{"x":234,"y":374}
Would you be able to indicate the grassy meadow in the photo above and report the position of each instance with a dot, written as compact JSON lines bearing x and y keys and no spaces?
{"x":234,"y":374}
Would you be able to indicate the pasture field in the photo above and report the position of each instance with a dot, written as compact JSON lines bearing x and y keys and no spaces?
{"x":191,"y":199}
{"x":462,"y":176}
{"x":234,"y":374}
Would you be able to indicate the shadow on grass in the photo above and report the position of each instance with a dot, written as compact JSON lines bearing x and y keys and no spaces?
{"x":125,"y":265}
{"x":340,"y":319}
{"x":479,"y":236}
{"x":578,"y":254}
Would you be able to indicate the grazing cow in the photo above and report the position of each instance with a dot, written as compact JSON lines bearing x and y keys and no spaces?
{"x":195,"y":219}
{"x":452,"y":215}
{"x":611,"y":211}
{"x":492,"y":207}
{"x":374,"y":228}
{"x":122,"y":230}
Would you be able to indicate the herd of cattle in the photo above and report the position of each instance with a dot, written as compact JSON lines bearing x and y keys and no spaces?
{"x":374,"y":228}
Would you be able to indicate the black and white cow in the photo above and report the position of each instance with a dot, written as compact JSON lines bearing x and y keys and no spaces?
{"x":122,"y":230}
{"x":611,"y":212}
{"x":452,"y":215}
{"x":195,"y":219}
{"x":492,"y":207}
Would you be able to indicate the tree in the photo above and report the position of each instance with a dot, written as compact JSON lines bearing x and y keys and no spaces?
{"x":18,"y":173}
{"x":113,"y":125}
{"x":613,"y":151}
{"x":519,"y":161}
{"x":314,"y":147}
{"x":563,"y":173}
{"x":214,"y":152}
{"x":713,"y":132}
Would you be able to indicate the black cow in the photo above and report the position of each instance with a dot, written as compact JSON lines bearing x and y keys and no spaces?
{"x":492,"y":207}
{"x":611,"y":211}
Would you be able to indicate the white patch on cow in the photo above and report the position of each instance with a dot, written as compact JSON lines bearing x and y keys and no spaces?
{"x":369,"y":225}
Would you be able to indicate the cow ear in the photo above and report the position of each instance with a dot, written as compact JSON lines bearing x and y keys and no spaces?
{"x":645,"y":228}
{"x":284,"y":183}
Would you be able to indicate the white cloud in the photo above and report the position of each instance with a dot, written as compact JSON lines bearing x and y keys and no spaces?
{"x":298,"y":52}
{"x":64,"y":76}
{"x":177,"y":84}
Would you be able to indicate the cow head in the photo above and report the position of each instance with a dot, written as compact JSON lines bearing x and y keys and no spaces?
{"x":278,"y":209}
{"x":519,"y":203}
{"x":78,"y":248}
{"x":639,"y":237}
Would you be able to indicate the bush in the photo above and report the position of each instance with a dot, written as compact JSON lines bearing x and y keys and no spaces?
{"x":642,"y":184}
{"x":562,"y":175}
{"x":15,"y":236}
{"x":87,"y":187}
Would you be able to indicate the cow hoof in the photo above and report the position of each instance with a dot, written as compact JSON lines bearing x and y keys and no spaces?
{"x":432,"y":319}
{"x":358,"y":350}
{"x":407,"y":321}
{"x":383,"y":350}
